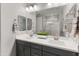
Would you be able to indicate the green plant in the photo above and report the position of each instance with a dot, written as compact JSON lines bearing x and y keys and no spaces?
{"x":42,"y":33}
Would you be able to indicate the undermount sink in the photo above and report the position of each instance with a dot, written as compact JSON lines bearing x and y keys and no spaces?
{"x":49,"y":39}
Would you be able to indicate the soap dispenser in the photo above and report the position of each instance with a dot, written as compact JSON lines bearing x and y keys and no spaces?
{"x":14,"y":26}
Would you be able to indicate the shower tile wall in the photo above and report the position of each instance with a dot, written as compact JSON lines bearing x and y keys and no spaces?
{"x":44,"y":25}
{"x":39,"y":24}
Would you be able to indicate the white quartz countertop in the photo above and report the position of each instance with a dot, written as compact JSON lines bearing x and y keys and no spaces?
{"x":63,"y":43}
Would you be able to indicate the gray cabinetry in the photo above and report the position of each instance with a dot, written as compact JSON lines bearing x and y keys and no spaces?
{"x":31,"y":49}
{"x":20,"y":48}
{"x":36,"y":52}
{"x":36,"y":49}
{"x":26,"y":48}
{"x":27,"y":51}
{"x":58,"y":52}
{"x":49,"y":54}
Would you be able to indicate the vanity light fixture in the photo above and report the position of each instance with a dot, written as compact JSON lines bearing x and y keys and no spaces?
{"x":31,"y":8}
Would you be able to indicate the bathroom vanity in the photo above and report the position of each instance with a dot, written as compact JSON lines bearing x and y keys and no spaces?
{"x":33,"y":46}
{"x":54,"y":22}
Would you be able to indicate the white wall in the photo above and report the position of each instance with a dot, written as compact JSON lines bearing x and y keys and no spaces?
{"x":9,"y":12}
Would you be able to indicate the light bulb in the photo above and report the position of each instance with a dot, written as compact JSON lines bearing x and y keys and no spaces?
{"x":35,"y":7}
{"x":31,"y":8}
{"x":27,"y":9}
{"x":49,"y":4}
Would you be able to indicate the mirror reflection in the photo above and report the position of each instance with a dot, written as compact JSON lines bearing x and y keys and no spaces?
{"x":22,"y":23}
{"x":56,"y":21}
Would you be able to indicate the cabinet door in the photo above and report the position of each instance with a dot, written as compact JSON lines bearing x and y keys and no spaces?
{"x":27,"y":51}
{"x":36,"y":52}
{"x":36,"y":46}
{"x":36,"y":49}
{"x":20,"y":50}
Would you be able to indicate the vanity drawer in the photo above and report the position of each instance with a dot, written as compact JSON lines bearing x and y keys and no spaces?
{"x":36,"y":46}
{"x":36,"y":51}
{"x":58,"y":51}
{"x":19,"y":42}
{"x":27,"y":44}
{"x":22,"y":42}
{"x":49,"y":54}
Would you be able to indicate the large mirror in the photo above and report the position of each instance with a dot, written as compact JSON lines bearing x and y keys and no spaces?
{"x":29,"y":24}
{"x":57,"y":21}
{"x":49,"y":21}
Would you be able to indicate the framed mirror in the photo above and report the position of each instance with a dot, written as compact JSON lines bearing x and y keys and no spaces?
{"x":24,"y":23}
{"x":21,"y":23}
{"x":29,"y":24}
